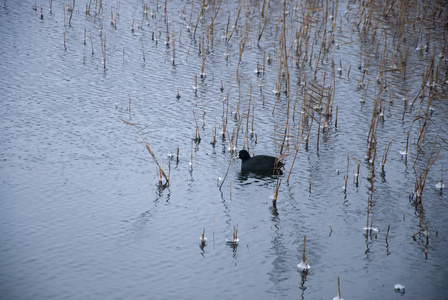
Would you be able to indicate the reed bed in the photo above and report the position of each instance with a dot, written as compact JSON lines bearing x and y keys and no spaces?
{"x":302,"y":61}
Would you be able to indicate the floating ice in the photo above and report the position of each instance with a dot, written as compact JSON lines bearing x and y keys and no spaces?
{"x":303,"y":266}
{"x":371,"y":228}
{"x":338,"y":298}
{"x":440,"y":185}
{"x":399,"y":288}
{"x":403,"y":153}
{"x":233,"y":241}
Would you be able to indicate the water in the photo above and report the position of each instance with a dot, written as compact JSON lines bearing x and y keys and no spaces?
{"x":83,"y":217}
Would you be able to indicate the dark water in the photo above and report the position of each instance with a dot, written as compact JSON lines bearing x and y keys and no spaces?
{"x":82,"y":216}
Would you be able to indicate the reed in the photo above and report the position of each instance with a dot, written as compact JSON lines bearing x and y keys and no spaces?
{"x":386,"y":151}
{"x":104,"y":52}
{"x":91,"y":43}
{"x":65,"y":44}
{"x":346,"y":174}
{"x":203,"y":238}
{"x":174,"y":47}
{"x":143,"y":49}
{"x":339,"y":289}
{"x":356,"y":175}
{"x":72,"y":9}
{"x":235,"y":234}
{"x":275,"y":192}
{"x":197,"y":138}
{"x":159,"y":169}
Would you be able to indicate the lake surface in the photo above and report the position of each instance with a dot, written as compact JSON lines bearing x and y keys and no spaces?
{"x":84,"y":216}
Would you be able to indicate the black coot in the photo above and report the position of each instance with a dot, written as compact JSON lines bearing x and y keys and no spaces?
{"x":262,"y":164}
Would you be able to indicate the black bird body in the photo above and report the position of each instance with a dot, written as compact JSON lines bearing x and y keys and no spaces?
{"x":263,"y":164}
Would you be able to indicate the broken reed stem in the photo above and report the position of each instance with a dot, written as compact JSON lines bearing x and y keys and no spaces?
{"x":357,"y":174}
{"x":227,"y":172}
{"x":235,"y":233}
{"x":387,"y":233}
{"x":161,"y":172}
{"x":421,"y":229}
{"x":203,"y":238}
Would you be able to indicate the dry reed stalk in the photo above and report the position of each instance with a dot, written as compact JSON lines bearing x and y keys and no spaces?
{"x":235,"y":234}
{"x":197,"y":138}
{"x":346,"y":173}
{"x":421,"y":229}
{"x":368,"y":210}
{"x":387,"y":233}
{"x":91,"y":43}
{"x":386,"y":151}
{"x":357,"y":174}
{"x":240,"y":5}
{"x":420,"y":183}
{"x":318,"y":135}
{"x":372,"y":164}
{"x":65,"y":45}
{"x":276,"y":190}
{"x":304,"y":259}
{"x":339,"y":289}
{"x":203,"y":238}
{"x":104,"y":52}
{"x":85,"y":32}
{"x":195,"y":87}
{"x":174,"y":46}
{"x":71,"y":14}
{"x":203,"y":71}
{"x":148,"y":148}
{"x":227,"y":172}
{"x":191,"y":155}
{"x":300,"y":134}
{"x":336,"y":119}
{"x":143,"y":49}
